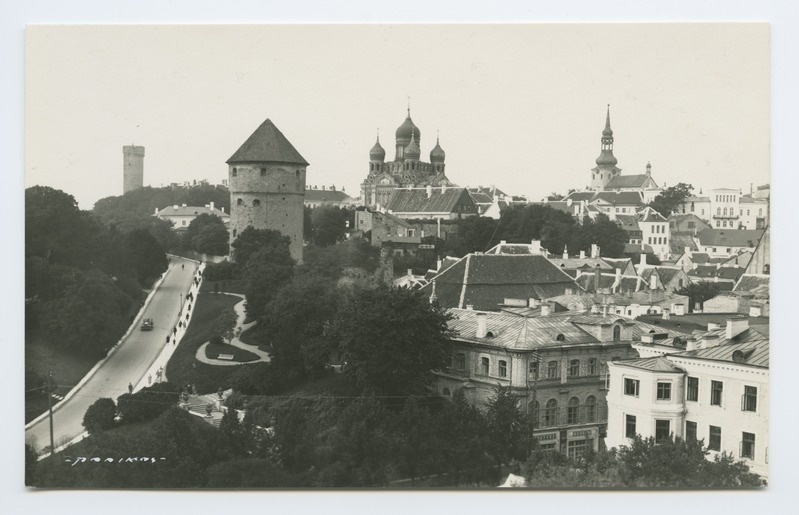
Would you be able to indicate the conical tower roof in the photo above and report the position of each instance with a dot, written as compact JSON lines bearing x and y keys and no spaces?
{"x":267,"y":144}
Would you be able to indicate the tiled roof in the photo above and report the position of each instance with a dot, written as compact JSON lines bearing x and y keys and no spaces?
{"x":488,"y":191}
{"x":633,"y":198}
{"x":192,"y":211}
{"x":512,"y":249}
{"x":678,"y":242}
{"x":620,"y":263}
{"x":650,"y":215}
{"x":480,"y":197}
{"x":655,"y":364}
{"x":732,"y":273}
{"x":627,"y":181}
{"x":637,"y":248}
{"x":415,"y":200}
{"x":756,"y":284}
{"x":694,"y":321}
{"x":326,"y":195}
{"x":486,"y":280}
{"x":578,"y":196}
{"x":267,"y":144}
{"x":729,"y":237}
{"x":575,"y":263}
{"x":628,"y":222}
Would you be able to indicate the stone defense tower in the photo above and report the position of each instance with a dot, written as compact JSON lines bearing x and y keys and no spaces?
{"x":132,"y":168}
{"x":605,"y":168}
{"x":267,"y":186}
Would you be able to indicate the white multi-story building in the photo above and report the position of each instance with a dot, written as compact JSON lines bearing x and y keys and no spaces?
{"x":726,"y":208}
{"x":655,"y":231}
{"x":715,"y":390}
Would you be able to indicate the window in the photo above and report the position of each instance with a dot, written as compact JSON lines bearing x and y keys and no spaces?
{"x":234,"y":172}
{"x":592,"y":366}
{"x":234,"y":233}
{"x":714,"y":440}
{"x":240,"y":202}
{"x":485,"y":365}
{"x":534,"y":369}
{"x":256,"y":203}
{"x":263,"y":172}
{"x":664,"y":392}
{"x":747,"y":445}
{"x":616,"y":333}
{"x":690,"y":431}
{"x":552,"y":370}
{"x":747,"y":212}
{"x":631,"y":386}
{"x":662,"y":430}
{"x":716,"y":390}
{"x":718,"y":211}
{"x":749,"y":399}
{"x":460,"y":362}
{"x":183,"y":222}
{"x":590,"y":409}
{"x":692,"y":392}
{"x":577,"y":448}
{"x":629,"y":426}
{"x":551,"y":413}
{"x":503,"y":368}
{"x":560,"y":338}
{"x":574,"y":367}
{"x":573,"y":411}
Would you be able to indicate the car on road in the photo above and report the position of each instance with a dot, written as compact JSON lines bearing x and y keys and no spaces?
{"x":147,"y":324}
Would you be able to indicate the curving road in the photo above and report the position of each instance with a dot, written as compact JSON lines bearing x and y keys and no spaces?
{"x":126,"y":365}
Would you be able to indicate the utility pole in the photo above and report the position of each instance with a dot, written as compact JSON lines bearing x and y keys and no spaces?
{"x":50,"y":408}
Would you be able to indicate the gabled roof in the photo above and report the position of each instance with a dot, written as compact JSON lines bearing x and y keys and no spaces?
{"x":620,"y":263}
{"x":730,"y":237}
{"x":628,"y":181}
{"x":486,"y":280}
{"x":628,"y":222}
{"x":752,"y":348}
{"x":574,"y":263}
{"x":633,"y":198}
{"x":756,"y":284}
{"x":326,"y":195}
{"x":481,"y":198}
{"x":267,"y":145}
{"x":578,"y":196}
{"x":650,"y":215}
{"x":415,"y":200}
{"x":489,"y":191}
{"x":638,"y":248}
{"x":731,"y":273}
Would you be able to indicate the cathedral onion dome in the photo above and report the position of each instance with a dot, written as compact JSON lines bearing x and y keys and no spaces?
{"x":412,"y":151}
{"x":607,"y":158}
{"x":377,"y":153}
{"x":437,"y":154}
{"x":408,"y":130}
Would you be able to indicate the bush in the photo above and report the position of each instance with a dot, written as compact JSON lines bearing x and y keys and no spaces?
{"x":222,"y":271}
{"x":217,"y":340}
{"x":148,"y":403}
{"x":100,"y":416}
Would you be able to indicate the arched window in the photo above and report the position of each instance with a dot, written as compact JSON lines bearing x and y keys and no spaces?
{"x":234,"y":172}
{"x":560,"y":338}
{"x":256,"y":203}
{"x":590,"y":409}
{"x":240,"y":202}
{"x":616,"y":333}
{"x":573,"y":411}
{"x":551,"y":413}
{"x":447,"y":392}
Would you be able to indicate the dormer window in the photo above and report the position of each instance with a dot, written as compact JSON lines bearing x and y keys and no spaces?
{"x":560,"y":338}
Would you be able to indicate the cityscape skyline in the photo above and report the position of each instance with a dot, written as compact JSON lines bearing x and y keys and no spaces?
{"x":190,"y":110}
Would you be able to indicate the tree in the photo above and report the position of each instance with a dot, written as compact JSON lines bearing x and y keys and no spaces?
{"x":251,"y":240}
{"x":148,"y":403}
{"x":555,"y":196}
{"x":463,"y":431}
{"x":266,"y":271}
{"x":207,"y":234}
{"x":698,"y":293}
{"x":225,"y":325}
{"x":671,"y":198}
{"x":100,"y":416}
{"x":145,"y":256}
{"x":328,"y":225}
{"x":610,"y":237}
{"x":391,"y":339}
{"x":508,"y":430}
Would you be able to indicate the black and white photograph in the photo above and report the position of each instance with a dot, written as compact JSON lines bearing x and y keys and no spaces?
{"x":398,"y":256}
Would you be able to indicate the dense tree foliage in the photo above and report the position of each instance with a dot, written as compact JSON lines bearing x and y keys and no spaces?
{"x":146,"y":404}
{"x":328,"y":225}
{"x":207,"y":234}
{"x":266,"y":270}
{"x":100,"y":416}
{"x":390,"y":338}
{"x":698,"y":292}
{"x":671,"y":198}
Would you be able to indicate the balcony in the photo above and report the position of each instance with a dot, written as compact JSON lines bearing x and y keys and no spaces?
{"x":564,"y":416}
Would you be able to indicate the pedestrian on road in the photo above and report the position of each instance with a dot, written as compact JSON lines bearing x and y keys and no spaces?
{"x":180,"y":324}
{"x":130,"y":388}
{"x":175,"y":330}
{"x":167,"y":338}
{"x":183,"y":266}
{"x":149,"y":379}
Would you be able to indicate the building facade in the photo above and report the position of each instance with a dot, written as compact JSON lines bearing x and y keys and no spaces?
{"x":132,"y":168}
{"x":267,"y":187}
{"x":182,"y":216}
{"x":407,"y":170}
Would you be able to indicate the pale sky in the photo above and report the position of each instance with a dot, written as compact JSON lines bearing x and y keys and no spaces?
{"x":519,"y":106}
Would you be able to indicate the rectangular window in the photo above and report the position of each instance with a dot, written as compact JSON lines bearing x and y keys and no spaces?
{"x":577,"y":449}
{"x":629,"y":426}
{"x":690,"y":430}
{"x":749,"y":399}
{"x":662,"y":430}
{"x":664,"y":392}
{"x":460,"y":362}
{"x":485,"y":366}
{"x":534,"y":369}
{"x":592,"y":366}
{"x":574,"y":367}
{"x":747,"y":445}
{"x":716,"y":391}
{"x":503,"y":368}
{"x":552,"y":370}
{"x":631,"y":386}
{"x":714,"y":439}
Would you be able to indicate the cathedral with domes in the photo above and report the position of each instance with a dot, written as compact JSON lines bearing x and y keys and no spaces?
{"x":406,"y":170}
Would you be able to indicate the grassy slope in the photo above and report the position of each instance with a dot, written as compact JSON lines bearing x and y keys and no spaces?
{"x":213,"y":350}
{"x":181,"y":368}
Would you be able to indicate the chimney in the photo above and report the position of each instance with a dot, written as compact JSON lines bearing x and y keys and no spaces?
{"x":535,"y":246}
{"x":653,"y":282}
{"x":222,"y":209}
{"x":594,"y":309}
{"x":712,"y":326}
{"x":156,"y":211}
{"x":569,"y":291}
{"x":503,"y":242}
{"x":594,"y":250}
{"x":183,"y":205}
{"x":175,"y":207}
{"x":569,"y":202}
{"x":597,"y":278}
{"x":438,"y":264}
{"x":533,"y":302}
{"x":709,"y":341}
{"x":666,"y":313}
{"x":604,"y":310}
{"x":565,"y":252}
{"x":755,"y":311}
{"x":481,"y":325}
{"x":410,"y":271}
{"x":582,"y":254}
{"x":690,"y":343}
{"x":443,"y":188}
{"x":212,"y":205}
{"x":718,"y":265}
{"x":429,"y":191}
{"x":736,"y":326}
{"x":546,"y":308}
{"x":642,"y":259}
{"x":688,"y":251}
{"x":694,"y":266}
{"x":469,"y":307}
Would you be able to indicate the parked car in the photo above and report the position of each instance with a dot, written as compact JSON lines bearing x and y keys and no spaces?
{"x":147,"y":324}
